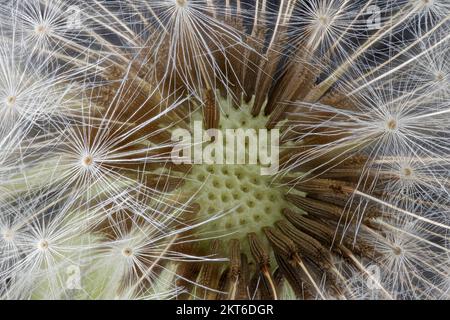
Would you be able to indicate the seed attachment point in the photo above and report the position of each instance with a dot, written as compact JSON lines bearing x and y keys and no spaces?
{"x":11,"y":101}
{"x":181,"y":3}
{"x":43,"y":245}
{"x":127,"y":252}
{"x":392,"y":125}
{"x":40,"y":29}
{"x":8,"y":235}
{"x":407,"y":172}
{"x":87,"y":161}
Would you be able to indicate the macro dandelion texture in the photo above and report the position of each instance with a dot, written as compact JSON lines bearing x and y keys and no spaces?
{"x":119,"y":177}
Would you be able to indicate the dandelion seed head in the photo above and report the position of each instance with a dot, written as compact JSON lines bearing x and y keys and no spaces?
{"x":247,"y":199}
{"x":362,"y":108}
